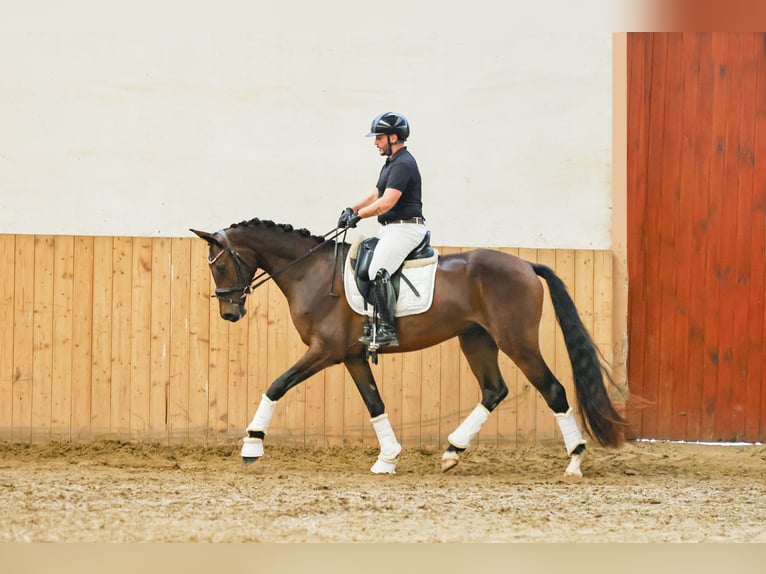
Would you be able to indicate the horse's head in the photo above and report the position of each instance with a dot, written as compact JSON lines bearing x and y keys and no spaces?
{"x":231,"y":273}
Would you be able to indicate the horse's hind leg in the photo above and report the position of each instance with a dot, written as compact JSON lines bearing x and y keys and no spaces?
{"x":531,"y":362}
{"x":481,"y":351}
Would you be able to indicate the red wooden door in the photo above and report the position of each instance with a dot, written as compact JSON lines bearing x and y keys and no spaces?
{"x":697,"y":235}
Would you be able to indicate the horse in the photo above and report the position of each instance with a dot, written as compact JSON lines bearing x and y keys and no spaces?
{"x":490,"y":300}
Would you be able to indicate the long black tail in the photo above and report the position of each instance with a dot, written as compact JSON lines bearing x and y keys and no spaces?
{"x":599,"y":417}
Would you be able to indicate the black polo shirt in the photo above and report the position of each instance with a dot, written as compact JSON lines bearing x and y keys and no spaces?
{"x":401,"y":172}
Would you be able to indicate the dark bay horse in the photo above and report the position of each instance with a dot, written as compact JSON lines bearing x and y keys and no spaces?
{"x":490,"y":300}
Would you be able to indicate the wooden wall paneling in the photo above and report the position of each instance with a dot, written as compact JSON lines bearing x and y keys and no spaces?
{"x":755,"y":425}
{"x":736,"y":303}
{"x":650,"y":238}
{"x":121,"y":333}
{"x":61,"y":388}
{"x":295,"y":411}
{"x":7,"y":288}
{"x":179,"y":349}
{"x":199,"y":341}
{"x":160,"y":345}
{"x":434,"y":364}
{"x":713,"y":236}
{"x":218,"y":374}
{"x":685,"y":260}
{"x":141,"y":338}
{"x":82,"y":337}
{"x":391,"y":385}
{"x":639,"y":90}
{"x":412,"y":389}
{"x":237,"y":415}
{"x":725,"y":275}
{"x":23,"y":337}
{"x":42,"y":358}
{"x":664,"y":233}
{"x":101,"y":376}
{"x":701,"y":112}
{"x":314,"y":408}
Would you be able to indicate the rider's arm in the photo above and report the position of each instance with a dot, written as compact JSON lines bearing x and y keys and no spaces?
{"x":379,"y":205}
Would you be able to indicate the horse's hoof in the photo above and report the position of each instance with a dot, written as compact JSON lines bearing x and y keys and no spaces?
{"x":449,"y":461}
{"x":574,"y":466}
{"x":383,"y":467}
{"x":249,"y":459}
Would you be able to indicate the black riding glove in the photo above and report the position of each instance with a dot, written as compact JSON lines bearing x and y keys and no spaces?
{"x":348,"y":219}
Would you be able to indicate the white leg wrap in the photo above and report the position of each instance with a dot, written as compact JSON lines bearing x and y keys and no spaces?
{"x":469,"y":428}
{"x":569,"y":430}
{"x":263,"y":415}
{"x":389,"y":446}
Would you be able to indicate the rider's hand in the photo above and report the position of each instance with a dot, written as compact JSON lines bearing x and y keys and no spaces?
{"x":353,"y":220}
{"x":345,"y":217}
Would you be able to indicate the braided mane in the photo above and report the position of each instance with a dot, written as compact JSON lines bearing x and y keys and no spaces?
{"x":286,"y":227}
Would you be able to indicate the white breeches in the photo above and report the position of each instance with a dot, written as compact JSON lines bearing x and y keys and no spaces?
{"x":396,"y":240}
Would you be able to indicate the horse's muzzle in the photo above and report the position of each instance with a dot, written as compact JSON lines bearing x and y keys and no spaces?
{"x":234,"y":313}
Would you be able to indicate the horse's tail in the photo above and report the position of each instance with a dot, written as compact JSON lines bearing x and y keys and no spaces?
{"x":599,"y":417}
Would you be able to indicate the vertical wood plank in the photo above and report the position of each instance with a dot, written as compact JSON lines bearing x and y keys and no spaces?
{"x":411,"y":399}
{"x":218,"y":374}
{"x":82,"y":337}
{"x":121,"y":333}
{"x":180,"y":297}
{"x":391,"y":385}
{"x":160,"y":345}
{"x":199,"y":341}
{"x":101,"y":375}
{"x":42,"y":361}
{"x":61,"y":388}
{"x":7,"y":280}
{"x":141,"y":338}
{"x":23,"y":337}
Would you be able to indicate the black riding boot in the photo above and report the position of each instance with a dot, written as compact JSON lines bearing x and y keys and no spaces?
{"x":385,"y":300}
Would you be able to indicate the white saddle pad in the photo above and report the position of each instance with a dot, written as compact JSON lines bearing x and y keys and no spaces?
{"x":420,"y":272}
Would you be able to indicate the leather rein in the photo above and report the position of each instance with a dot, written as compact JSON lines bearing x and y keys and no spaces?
{"x":245,"y":287}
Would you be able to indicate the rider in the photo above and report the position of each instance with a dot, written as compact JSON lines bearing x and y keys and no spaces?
{"x":396,"y":201}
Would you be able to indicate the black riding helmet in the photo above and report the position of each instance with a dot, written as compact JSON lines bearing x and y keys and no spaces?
{"x":390,"y":123}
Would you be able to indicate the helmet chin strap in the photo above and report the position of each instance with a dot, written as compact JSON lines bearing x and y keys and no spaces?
{"x":388,"y":150}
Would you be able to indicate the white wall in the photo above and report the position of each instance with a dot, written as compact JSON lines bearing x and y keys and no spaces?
{"x":150,"y":117}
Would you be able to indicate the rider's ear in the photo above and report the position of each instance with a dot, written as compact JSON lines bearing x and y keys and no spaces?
{"x":209,"y":237}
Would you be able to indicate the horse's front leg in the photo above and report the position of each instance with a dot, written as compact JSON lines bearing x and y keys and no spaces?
{"x":389,"y":447}
{"x":309,"y":364}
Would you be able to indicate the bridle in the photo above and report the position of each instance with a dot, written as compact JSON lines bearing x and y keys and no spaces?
{"x":245,"y":286}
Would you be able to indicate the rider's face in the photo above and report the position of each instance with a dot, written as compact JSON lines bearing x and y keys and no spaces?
{"x":381,"y":142}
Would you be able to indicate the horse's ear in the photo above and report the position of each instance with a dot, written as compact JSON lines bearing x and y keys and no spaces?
{"x":209,"y":237}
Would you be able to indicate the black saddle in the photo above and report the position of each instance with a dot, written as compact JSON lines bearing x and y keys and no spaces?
{"x":361,"y":264}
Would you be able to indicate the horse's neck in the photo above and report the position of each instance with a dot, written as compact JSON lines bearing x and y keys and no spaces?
{"x":276,"y":250}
